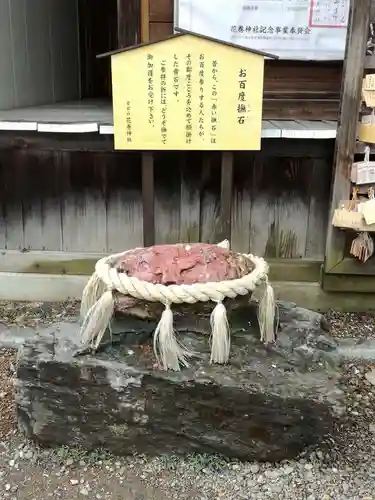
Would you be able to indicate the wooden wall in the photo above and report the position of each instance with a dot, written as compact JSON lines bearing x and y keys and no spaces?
{"x":92,"y":202}
{"x":39,"y":55}
{"x":292,"y":89}
{"x":98,"y":34}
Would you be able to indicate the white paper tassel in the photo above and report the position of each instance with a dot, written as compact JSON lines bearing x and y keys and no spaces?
{"x":220,"y":335}
{"x":97,"y":320}
{"x":266,"y":315}
{"x":91,"y":293}
{"x":167,"y":350}
{"x":224,"y":244}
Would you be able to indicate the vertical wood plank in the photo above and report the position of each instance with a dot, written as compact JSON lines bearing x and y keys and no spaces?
{"x":190,"y":198}
{"x":210,"y":220}
{"x":319,"y":206}
{"x":148,"y":199}
{"x":41,"y":203}
{"x":84,"y":203}
{"x":128,"y":23}
{"x":37,"y":15}
{"x":124,"y":201}
{"x":32,"y":195}
{"x":5,"y":163}
{"x":226,"y":194}
{"x":14,"y":190}
{"x":7,"y":82}
{"x":50,"y":169}
{"x":23,"y":90}
{"x":167,"y":185}
{"x":241,"y":207}
{"x":262,"y":207}
{"x":145,"y":20}
{"x":346,"y":134}
{"x":287,"y":237}
{"x":64,"y":49}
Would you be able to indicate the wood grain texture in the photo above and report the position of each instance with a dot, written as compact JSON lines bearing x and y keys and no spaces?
{"x":128,"y":23}
{"x":148,"y":199}
{"x":347,"y":130}
{"x":39,"y":52}
{"x":319,"y":204}
{"x":190,"y":206}
{"x":99,"y":32}
{"x":92,"y":202}
{"x":145,"y":21}
{"x":167,"y":200}
{"x":226,"y":197}
{"x":161,"y":11}
{"x":159,"y":31}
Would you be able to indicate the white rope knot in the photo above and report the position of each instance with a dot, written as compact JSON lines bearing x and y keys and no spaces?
{"x":97,"y":307}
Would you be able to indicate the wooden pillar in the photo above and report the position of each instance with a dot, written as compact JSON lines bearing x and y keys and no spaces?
{"x":145,"y":20}
{"x":226,"y":195}
{"x":148,"y":199}
{"x":128,"y":23}
{"x":148,"y":183}
{"x":359,"y":19}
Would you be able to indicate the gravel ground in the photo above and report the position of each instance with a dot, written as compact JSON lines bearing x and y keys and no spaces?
{"x":341,"y":469}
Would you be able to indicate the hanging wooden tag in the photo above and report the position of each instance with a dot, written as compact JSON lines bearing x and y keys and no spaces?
{"x":367,"y":208}
{"x":368,"y":90}
{"x":362,"y":247}
{"x":367,"y":128}
{"x":363,"y":172}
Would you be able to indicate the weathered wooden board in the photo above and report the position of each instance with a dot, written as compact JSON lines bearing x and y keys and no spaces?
{"x":92,"y":202}
{"x":347,"y":130}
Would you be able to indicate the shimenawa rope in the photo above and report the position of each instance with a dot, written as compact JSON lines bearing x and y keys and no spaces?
{"x":97,"y":307}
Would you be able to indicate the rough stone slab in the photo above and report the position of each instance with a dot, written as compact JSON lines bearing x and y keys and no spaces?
{"x":267,"y":404}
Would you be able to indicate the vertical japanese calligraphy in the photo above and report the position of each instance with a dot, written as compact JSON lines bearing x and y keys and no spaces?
{"x":214,"y":101}
{"x":201,"y":95}
{"x":188,"y":108}
{"x":176,"y":76}
{"x":150,"y":81}
{"x":187,"y":93}
{"x":242,"y":97}
{"x":329,"y":13}
{"x":163,"y":100}
{"x":128,"y":122}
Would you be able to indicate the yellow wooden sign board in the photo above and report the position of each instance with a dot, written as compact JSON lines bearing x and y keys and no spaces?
{"x":187,"y":93}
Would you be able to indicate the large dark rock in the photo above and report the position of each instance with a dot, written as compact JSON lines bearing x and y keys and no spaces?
{"x":268,"y":404}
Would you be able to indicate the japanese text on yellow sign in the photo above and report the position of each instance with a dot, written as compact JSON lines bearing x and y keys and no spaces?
{"x":187,"y":93}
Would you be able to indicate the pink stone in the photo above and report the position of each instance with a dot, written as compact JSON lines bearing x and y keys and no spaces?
{"x":184,"y":264}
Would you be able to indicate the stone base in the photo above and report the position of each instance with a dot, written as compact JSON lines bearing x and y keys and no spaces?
{"x":268,"y":403}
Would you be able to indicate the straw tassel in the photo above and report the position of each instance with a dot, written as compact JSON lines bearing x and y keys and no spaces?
{"x":97,"y":320}
{"x":266,"y":315}
{"x":91,"y":293}
{"x":167,"y":350}
{"x":220,"y":335}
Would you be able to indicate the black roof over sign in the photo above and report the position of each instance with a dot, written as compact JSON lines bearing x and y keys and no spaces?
{"x":182,"y":32}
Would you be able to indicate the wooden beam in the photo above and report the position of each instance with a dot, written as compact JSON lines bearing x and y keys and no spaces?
{"x":83,"y":264}
{"x":348,"y":283}
{"x":359,"y":19}
{"x":145,"y":20}
{"x":351,"y":266}
{"x":275,"y":148}
{"x":148,"y":199}
{"x":128,"y":23}
{"x":226,"y":195}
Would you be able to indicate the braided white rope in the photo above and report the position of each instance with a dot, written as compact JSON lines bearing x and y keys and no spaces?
{"x":178,"y":294}
{"x":97,"y":307}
